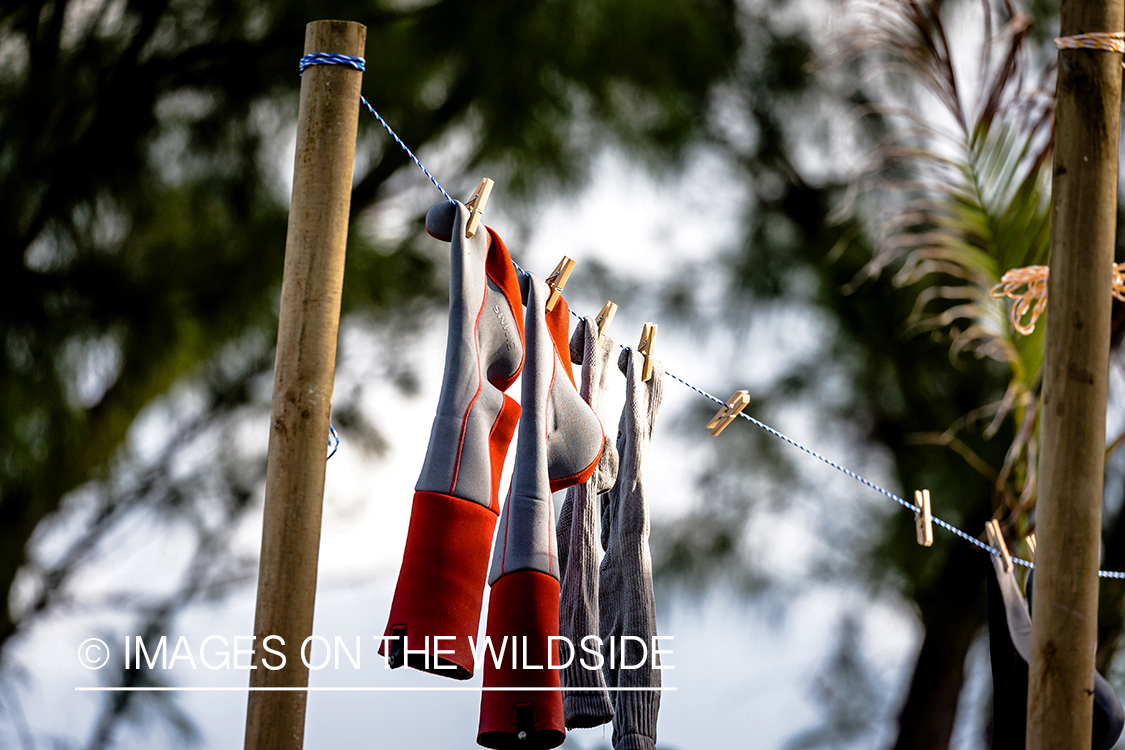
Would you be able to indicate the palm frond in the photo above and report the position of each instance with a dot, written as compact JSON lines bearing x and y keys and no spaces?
{"x":960,"y":195}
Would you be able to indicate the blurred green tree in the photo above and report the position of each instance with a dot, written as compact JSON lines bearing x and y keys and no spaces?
{"x":142,"y":213}
{"x":954,"y":193}
{"x":142,"y":223}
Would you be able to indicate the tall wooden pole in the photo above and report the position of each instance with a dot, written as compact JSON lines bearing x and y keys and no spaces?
{"x":1075,"y":381}
{"x":302,"y":387}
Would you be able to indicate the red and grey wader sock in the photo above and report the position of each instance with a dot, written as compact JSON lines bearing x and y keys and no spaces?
{"x":560,"y":442}
{"x":626,"y":603}
{"x":578,"y":543}
{"x":1009,"y":644}
{"x":445,"y":564}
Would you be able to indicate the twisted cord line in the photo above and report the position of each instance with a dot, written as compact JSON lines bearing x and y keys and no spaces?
{"x":404,"y":148}
{"x":1099,"y":40}
{"x":330,"y":58}
{"x":1107,"y":41}
{"x":862,"y":480}
{"x":358,"y":63}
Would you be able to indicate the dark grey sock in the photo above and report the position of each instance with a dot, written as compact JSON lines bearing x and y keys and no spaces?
{"x":578,"y":542}
{"x":627,"y":605}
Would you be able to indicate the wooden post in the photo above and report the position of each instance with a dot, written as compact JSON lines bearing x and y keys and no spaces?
{"x":1075,"y":381}
{"x":302,"y":387}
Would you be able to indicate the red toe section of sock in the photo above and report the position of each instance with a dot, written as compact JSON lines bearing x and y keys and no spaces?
{"x":498,"y":267}
{"x":523,"y":604}
{"x":441,"y":584}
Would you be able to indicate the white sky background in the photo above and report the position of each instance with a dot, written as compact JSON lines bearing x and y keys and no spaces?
{"x":745,"y":674}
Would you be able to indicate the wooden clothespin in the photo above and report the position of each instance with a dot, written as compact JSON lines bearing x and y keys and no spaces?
{"x":1029,"y":541}
{"x":924,"y":520}
{"x":996,"y":539}
{"x":476,"y":206}
{"x":647,"y":347}
{"x":728,"y":412}
{"x":605,"y":317}
{"x":557,"y":280}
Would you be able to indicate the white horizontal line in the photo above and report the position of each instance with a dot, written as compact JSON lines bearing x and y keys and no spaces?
{"x":356,"y":689}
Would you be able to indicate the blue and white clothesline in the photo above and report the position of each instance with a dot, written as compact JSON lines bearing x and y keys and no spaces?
{"x":322,"y":58}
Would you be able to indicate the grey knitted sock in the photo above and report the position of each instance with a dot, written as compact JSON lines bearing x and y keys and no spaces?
{"x":578,"y":543}
{"x":626,"y":601}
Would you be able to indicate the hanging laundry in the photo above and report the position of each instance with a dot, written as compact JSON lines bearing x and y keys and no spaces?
{"x":1009,"y":640}
{"x":559,"y":444}
{"x":626,"y":602}
{"x":445,"y":564}
{"x":578,"y":543}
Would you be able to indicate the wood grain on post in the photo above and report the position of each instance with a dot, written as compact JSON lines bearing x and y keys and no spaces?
{"x":1075,"y":382}
{"x":302,"y":390}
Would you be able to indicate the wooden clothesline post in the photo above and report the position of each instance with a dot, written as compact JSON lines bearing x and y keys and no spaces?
{"x":302,"y":393}
{"x":1075,"y":383}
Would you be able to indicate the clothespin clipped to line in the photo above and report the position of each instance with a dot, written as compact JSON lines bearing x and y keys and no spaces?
{"x":476,"y":206}
{"x":1029,"y":541}
{"x":646,"y":347}
{"x":996,"y":539}
{"x":605,"y":317}
{"x":557,"y":280}
{"x":728,"y":412}
{"x":924,"y":520}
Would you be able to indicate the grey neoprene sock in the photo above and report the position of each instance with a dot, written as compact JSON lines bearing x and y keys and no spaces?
{"x":559,"y":445}
{"x":560,"y":438}
{"x":627,"y":605}
{"x":481,"y":354}
{"x":578,"y":542}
